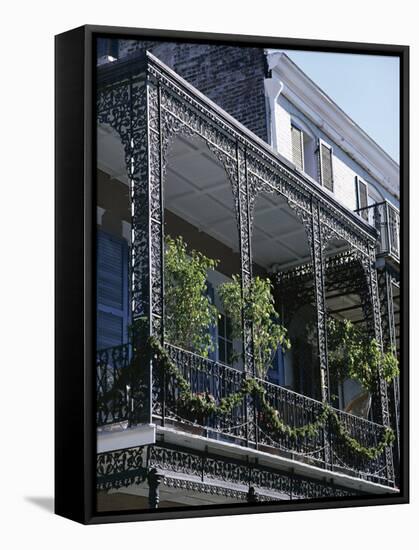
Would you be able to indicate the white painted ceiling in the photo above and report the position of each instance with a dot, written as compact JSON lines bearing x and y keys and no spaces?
{"x":197,"y":190}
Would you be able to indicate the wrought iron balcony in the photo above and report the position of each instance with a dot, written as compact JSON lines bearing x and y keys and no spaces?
{"x":246,"y":424}
{"x":112,"y":397}
{"x":385,"y":217}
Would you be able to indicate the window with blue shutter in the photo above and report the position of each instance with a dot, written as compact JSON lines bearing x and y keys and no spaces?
{"x":221,"y":334}
{"x":276,"y":374}
{"x":112,"y":291}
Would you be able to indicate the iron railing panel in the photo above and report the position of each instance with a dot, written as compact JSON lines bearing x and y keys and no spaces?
{"x":215,"y":381}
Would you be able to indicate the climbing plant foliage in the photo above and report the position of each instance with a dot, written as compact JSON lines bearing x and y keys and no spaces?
{"x":353,"y":355}
{"x":189,"y":312}
{"x":256,"y":302}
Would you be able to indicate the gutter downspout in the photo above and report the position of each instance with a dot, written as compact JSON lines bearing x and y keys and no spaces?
{"x":273,"y":89}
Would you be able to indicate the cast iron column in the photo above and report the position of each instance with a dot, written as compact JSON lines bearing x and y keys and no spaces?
{"x":386,"y":280}
{"x":320,"y":296}
{"x":371,"y":306}
{"x":243,"y":220}
{"x":252,"y":495}
{"x":123,"y":106}
{"x":154,"y":479}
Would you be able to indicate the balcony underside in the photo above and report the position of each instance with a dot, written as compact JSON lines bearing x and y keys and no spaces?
{"x":197,"y":472}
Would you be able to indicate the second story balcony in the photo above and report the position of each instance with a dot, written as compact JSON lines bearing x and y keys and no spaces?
{"x":385,"y":217}
{"x":308,"y":436}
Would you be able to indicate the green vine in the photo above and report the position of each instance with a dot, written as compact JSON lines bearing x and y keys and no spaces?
{"x":353,"y":355}
{"x":256,"y":303}
{"x":370,"y":453}
{"x":189,"y":313}
{"x":205,"y":404}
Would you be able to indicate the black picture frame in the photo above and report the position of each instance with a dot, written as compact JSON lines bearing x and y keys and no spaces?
{"x":75,"y":441}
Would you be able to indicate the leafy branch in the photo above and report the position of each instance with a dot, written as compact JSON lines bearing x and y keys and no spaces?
{"x":189,"y":312}
{"x":352,"y":355}
{"x":256,"y":303}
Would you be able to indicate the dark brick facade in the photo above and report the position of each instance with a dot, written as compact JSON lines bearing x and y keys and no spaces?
{"x":230,"y":76}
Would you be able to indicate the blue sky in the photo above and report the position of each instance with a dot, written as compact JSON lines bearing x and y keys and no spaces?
{"x":366,"y":87}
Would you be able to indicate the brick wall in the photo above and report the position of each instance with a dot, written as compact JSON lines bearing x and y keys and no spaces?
{"x":232,"y":77}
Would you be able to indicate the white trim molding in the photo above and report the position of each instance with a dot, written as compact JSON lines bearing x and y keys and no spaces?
{"x":118,"y":436}
{"x":273,"y":88}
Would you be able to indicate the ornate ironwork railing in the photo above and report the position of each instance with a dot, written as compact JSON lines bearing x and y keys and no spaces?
{"x":247,"y":423}
{"x":112,"y":396}
{"x":386,"y":219}
{"x":207,"y":378}
{"x":367,"y":433}
{"x":323,"y":447}
{"x":295,"y":410}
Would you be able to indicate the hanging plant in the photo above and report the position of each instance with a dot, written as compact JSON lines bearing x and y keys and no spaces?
{"x":353,"y":355}
{"x":258,"y":306}
{"x":189,"y":313}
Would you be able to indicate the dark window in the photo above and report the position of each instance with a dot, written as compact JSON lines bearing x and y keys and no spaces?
{"x":276,"y":374}
{"x":225,"y":341}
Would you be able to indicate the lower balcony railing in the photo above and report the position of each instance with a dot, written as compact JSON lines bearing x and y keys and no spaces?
{"x":247,"y":422}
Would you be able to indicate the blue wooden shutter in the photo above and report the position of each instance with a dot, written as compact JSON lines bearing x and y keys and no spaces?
{"x":276,"y":374}
{"x":112,"y":291}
